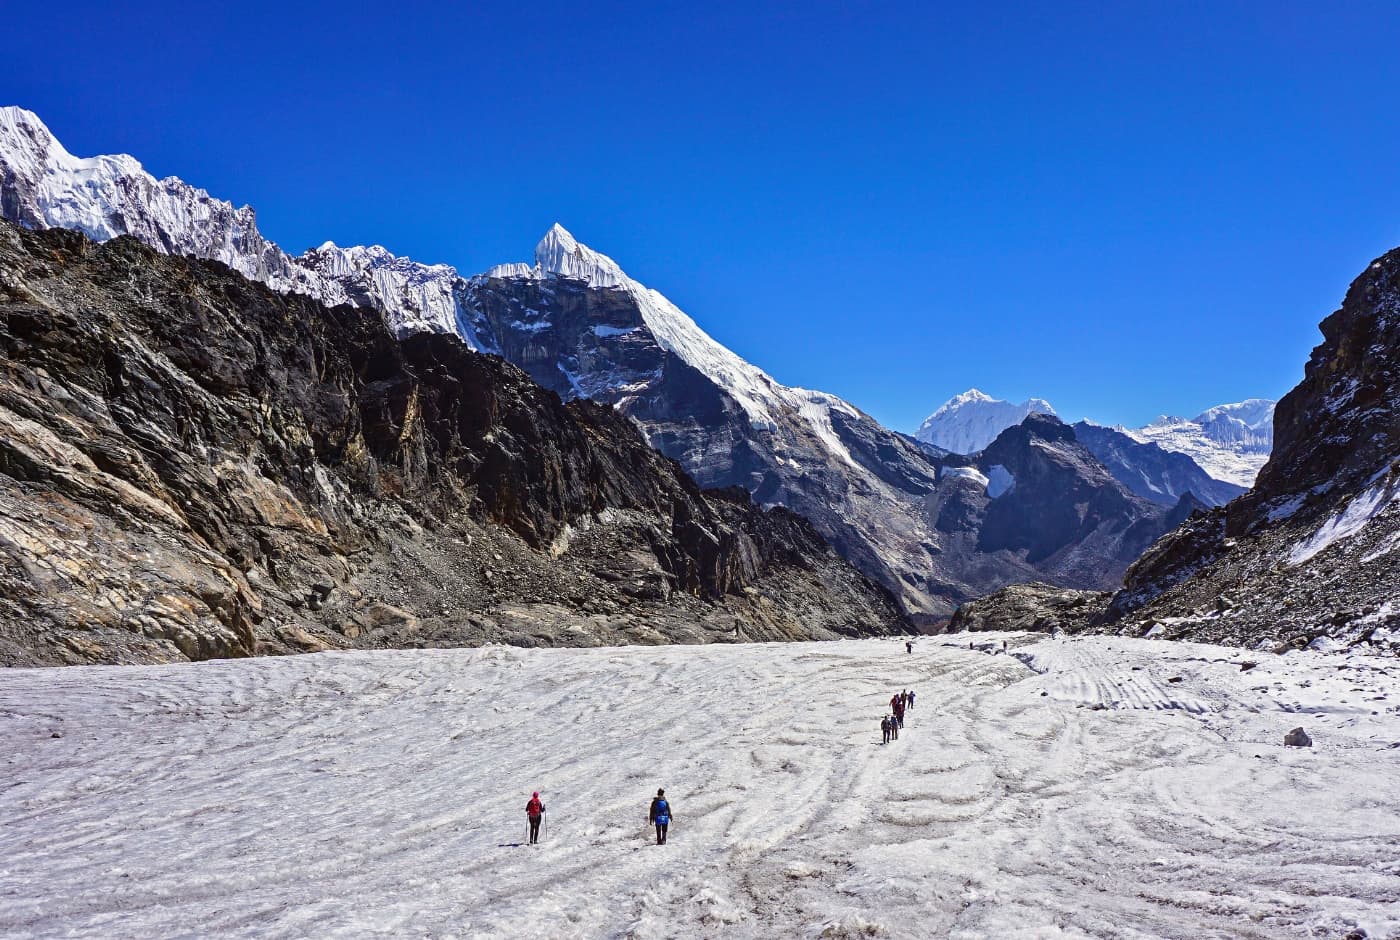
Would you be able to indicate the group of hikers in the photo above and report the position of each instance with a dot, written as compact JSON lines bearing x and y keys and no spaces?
{"x":659,"y":816}
{"x":890,"y":724}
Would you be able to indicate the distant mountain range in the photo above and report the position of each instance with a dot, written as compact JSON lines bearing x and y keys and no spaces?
{"x":1227,"y":444}
{"x":966,"y":423}
{"x":579,"y":326}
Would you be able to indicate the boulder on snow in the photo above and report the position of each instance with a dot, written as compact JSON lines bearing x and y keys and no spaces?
{"x":1297,"y":738}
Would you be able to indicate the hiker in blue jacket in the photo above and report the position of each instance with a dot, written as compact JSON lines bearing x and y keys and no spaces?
{"x":660,"y":816}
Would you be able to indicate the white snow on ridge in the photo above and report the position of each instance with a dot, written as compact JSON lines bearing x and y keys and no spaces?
{"x":1229,"y":442}
{"x":382,"y":794}
{"x":559,"y":254}
{"x":1000,"y":481}
{"x":1348,"y":521}
{"x":967,"y":473}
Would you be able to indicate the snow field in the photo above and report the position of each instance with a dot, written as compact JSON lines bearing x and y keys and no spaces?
{"x":1069,"y":788}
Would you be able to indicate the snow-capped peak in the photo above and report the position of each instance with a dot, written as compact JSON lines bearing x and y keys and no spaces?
{"x":560,"y":253}
{"x":1230,"y":442}
{"x":967,"y":423}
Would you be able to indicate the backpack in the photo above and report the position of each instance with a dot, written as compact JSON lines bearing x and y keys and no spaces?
{"x":534,"y":807}
{"x":663,"y":813}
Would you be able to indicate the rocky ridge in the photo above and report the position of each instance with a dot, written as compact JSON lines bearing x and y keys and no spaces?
{"x":1311,"y":554}
{"x":578,"y":325}
{"x":193,"y":465}
{"x":1151,"y":471}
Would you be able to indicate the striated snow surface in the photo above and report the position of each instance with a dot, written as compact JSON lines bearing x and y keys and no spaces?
{"x":967,"y":423}
{"x":1089,"y":787}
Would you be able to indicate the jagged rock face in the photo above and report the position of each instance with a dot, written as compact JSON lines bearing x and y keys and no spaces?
{"x":1035,"y":606}
{"x":1313,"y":550}
{"x":580,"y":327}
{"x":1037,"y":504}
{"x":192,"y":465}
{"x":1149,"y":471}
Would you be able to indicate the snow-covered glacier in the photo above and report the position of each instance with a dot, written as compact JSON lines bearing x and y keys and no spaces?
{"x":1088,"y":787}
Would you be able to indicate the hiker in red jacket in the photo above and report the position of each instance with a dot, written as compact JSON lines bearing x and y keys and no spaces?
{"x":534,"y":811}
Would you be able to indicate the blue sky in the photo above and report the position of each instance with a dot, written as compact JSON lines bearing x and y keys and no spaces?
{"x":1126,"y":209}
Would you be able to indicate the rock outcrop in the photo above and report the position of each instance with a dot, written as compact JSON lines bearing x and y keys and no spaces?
{"x":1310,"y":556}
{"x":1312,"y":552}
{"x":193,"y":466}
{"x":1035,"y":606}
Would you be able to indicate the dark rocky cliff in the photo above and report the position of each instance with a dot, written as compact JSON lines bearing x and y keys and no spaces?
{"x":1036,"y":505}
{"x":1313,"y":550}
{"x":192,"y":465}
{"x":1311,"y":554}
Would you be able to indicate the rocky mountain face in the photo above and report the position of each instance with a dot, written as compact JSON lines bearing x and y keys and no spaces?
{"x":1311,"y":554}
{"x":1037,"y":503}
{"x":1151,"y":472}
{"x":966,"y":423}
{"x":1312,"y":551}
{"x":193,"y":465}
{"x":579,"y":326}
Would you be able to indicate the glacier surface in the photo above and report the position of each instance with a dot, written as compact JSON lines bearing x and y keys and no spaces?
{"x":1088,"y":787}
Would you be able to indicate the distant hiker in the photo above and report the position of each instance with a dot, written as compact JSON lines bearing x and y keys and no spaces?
{"x":911,"y":698}
{"x":885,"y":729}
{"x":894,"y":702}
{"x":908,"y":646}
{"x":1003,"y":646}
{"x":534,"y":811}
{"x":660,"y":816}
{"x":899,"y":712}
{"x":894,"y":729}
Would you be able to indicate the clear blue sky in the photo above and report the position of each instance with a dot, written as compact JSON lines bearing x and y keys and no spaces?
{"x":1125,"y":208}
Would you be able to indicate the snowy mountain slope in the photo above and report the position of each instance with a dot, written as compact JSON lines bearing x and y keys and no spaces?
{"x":578,"y":325}
{"x":193,"y":466}
{"x":43,"y":185}
{"x":902,"y":515}
{"x":968,"y":422}
{"x":1230,"y":442}
{"x":1149,"y":470}
{"x":1095,"y":787}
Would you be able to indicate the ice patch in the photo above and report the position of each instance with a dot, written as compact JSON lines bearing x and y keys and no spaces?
{"x":999,"y":481}
{"x":967,"y":473}
{"x":1346,"y":523}
{"x":613,"y":330}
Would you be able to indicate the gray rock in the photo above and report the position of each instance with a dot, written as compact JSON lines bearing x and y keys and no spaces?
{"x":167,"y":425}
{"x":1297,"y":738}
